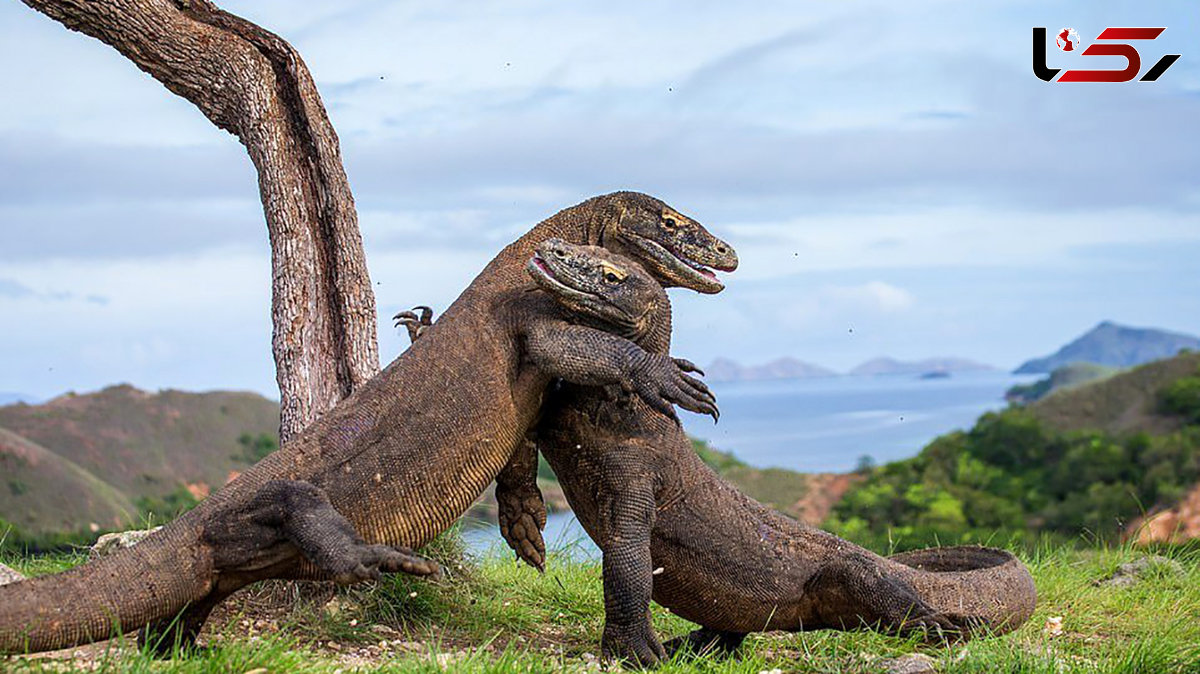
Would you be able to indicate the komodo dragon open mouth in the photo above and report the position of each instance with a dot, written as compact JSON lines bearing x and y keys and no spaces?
{"x":538,"y":266}
{"x":700,"y":276}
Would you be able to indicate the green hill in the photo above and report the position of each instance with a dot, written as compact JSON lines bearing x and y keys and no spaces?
{"x":1062,"y":378}
{"x":149,"y":445}
{"x":1087,"y":460}
{"x":43,"y":495}
{"x":1125,"y":403}
{"x":1116,"y":346}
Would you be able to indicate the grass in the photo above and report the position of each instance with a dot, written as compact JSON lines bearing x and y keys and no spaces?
{"x":493,"y":615}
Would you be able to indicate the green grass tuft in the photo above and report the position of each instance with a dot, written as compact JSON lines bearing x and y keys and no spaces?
{"x":495,"y":615}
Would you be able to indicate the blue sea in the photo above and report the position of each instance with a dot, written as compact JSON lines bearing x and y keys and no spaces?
{"x":819,"y":425}
{"x":823,"y":425}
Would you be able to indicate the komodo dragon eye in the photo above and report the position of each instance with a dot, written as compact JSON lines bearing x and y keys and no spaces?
{"x":611,"y":277}
{"x":670,"y":223}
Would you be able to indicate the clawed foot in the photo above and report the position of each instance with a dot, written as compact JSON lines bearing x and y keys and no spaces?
{"x":705,"y":642}
{"x":522,"y":516}
{"x":936,"y":628}
{"x":662,"y":381}
{"x":635,"y":644}
{"x":368,"y":562}
{"x":414,"y":323}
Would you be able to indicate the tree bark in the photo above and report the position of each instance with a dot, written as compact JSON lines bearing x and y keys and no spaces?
{"x":253,"y":84}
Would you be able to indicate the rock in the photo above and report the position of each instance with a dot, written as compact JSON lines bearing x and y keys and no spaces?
{"x":912,"y":663}
{"x":1174,"y":525}
{"x":1130,"y":573}
{"x":384,"y":630}
{"x":8,"y":575}
{"x":110,"y":543}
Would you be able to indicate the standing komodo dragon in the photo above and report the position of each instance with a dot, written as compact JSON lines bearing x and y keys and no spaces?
{"x":670,"y":529}
{"x":395,"y":463}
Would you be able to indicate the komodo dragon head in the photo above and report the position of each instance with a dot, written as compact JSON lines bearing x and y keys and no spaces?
{"x":595,"y":283}
{"x":675,"y":249}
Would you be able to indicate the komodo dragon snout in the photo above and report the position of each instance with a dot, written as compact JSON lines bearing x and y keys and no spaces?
{"x":674,"y":248}
{"x":592,"y":281}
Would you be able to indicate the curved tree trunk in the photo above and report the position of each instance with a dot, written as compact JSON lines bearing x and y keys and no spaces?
{"x":253,"y":84}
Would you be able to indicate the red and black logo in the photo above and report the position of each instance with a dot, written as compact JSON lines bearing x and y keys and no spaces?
{"x":1068,"y":40}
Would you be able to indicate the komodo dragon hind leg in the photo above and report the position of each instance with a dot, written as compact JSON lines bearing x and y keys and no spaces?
{"x":705,"y":641}
{"x":627,"y":569}
{"x":414,"y":323}
{"x":164,"y":637}
{"x":327,"y":539}
{"x":521,"y":511}
{"x":851,"y":593}
{"x":254,"y":537}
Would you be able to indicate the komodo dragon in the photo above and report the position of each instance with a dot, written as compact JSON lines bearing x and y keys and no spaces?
{"x":387,"y":468}
{"x":670,"y":529}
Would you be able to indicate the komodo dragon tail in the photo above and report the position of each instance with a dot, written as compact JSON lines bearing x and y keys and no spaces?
{"x":134,"y":586}
{"x":985,"y":590}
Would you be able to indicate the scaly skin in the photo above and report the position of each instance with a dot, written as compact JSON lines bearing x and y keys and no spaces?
{"x":389,"y":467}
{"x":672,"y":530}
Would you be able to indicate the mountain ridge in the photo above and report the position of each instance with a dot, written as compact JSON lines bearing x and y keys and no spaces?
{"x":724,"y":369}
{"x":1115,"y":345}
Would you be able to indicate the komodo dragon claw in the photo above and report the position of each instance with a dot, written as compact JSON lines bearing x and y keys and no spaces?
{"x":661,"y":380}
{"x":368,"y":562}
{"x":522,"y":518}
{"x":414,"y":323}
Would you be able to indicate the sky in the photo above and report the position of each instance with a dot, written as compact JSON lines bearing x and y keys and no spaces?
{"x":894,"y":177}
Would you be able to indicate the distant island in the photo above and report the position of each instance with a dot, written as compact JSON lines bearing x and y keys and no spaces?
{"x":919,"y":367}
{"x":1114,"y":345}
{"x":726,"y":369}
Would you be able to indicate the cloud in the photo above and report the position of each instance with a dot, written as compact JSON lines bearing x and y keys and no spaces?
{"x":872,"y":296}
{"x":880,"y":167}
{"x":14,"y":289}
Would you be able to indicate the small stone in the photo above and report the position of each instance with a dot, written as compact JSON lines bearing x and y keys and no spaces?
{"x":1053,"y":626}
{"x":333,"y":646}
{"x":110,"y":543}
{"x":912,"y":663}
{"x":354,"y":622}
{"x":1130,"y":573}
{"x":412,"y":595}
{"x":8,"y":575}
